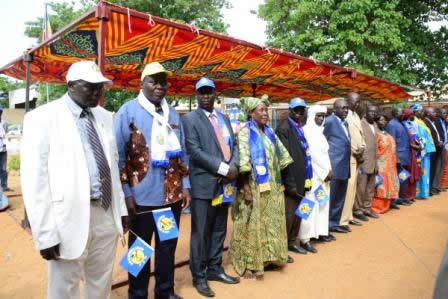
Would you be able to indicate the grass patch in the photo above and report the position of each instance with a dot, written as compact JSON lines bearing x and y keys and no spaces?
{"x":14,"y":162}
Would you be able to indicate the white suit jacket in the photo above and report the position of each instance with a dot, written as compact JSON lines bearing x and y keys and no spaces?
{"x":55,"y":177}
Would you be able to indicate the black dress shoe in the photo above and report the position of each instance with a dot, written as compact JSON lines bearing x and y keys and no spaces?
{"x":371,"y":214}
{"x":325,"y":238}
{"x":309,"y":247}
{"x":338,"y":229}
{"x":204,"y":289}
{"x":297,"y":249}
{"x":290,"y":260}
{"x":223,"y":277}
{"x":355,"y":222}
{"x":434,"y":192}
{"x":346,"y":227}
{"x":361,"y":217}
{"x":394,"y":206}
{"x":174,"y":296}
{"x":332,"y":237}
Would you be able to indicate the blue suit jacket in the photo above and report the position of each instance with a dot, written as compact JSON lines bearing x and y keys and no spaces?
{"x":340,"y":149}
{"x":400,"y":135}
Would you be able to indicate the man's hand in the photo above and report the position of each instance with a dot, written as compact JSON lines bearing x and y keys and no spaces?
{"x":126,"y":223}
{"x":232,"y":175}
{"x":329,"y":176}
{"x":51,"y":253}
{"x":248,"y":198}
{"x":132,"y":206}
{"x":360,"y":159}
{"x":186,"y":198}
{"x":415,"y":146}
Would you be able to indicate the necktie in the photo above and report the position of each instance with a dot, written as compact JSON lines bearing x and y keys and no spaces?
{"x":224,"y":147}
{"x":346,"y":127}
{"x":100,"y":159}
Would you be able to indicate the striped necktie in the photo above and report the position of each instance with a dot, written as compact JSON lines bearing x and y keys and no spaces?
{"x":100,"y":158}
{"x":222,"y":143}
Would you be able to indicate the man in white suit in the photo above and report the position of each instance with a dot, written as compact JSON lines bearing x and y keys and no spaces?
{"x":71,"y":186}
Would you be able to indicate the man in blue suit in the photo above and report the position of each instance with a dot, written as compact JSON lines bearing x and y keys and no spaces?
{"x":403,"y":146}
{"x":336,"y":132}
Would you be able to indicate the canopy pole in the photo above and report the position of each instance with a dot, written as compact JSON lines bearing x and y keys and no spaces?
{"x":27,"y":58}
{"x":102,"y":14}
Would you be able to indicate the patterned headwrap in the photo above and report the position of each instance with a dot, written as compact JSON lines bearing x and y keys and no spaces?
{"x":417,"y":107}
{"x":248,"y":104}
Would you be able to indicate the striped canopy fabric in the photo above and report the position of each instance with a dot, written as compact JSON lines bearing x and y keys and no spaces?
{"x":131,"y":39}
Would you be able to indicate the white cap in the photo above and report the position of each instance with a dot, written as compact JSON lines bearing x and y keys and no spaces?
{"x":87,"y":71}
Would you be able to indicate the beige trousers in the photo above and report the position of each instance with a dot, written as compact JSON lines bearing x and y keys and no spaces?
{"x":94,"y":266}
{"x":347,"y":211}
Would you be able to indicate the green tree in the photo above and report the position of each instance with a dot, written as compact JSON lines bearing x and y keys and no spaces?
{"x":205,"y":14}
{"x":386,"y":38}
{"x":6,"y":85}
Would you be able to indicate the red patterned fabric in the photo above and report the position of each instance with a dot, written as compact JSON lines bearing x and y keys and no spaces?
{"x":237,"y":67}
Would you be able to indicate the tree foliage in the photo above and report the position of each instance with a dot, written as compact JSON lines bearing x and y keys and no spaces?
{"x":6,"y":85}
{"x":205,"y":14}
{"x":386,"y":38}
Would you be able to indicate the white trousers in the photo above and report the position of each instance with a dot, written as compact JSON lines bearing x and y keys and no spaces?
{"x":94,"y":266}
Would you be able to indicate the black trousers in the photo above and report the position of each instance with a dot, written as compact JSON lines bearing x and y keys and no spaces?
{"x":436,"y":170}
{"x":164,"y":254}
{"x":292,"y":221}
{"x":208,"y":232}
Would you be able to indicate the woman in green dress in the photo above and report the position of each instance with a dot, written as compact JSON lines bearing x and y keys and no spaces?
{"x":258,"y":212}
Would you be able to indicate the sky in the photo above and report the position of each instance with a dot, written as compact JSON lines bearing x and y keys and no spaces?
{"x":14,"y":14}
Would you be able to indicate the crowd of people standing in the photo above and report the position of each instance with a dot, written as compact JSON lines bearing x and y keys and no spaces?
{"x":88,"y":177}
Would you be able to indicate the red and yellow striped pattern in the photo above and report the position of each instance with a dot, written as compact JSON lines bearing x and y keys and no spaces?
{"x":236,"y":66}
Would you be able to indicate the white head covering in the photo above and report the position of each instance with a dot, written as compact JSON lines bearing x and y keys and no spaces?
{"x":318,"y":143}
{"x":312,"y":111}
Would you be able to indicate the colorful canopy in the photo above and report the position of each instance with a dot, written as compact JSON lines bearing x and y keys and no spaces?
{"x":133,"y":39}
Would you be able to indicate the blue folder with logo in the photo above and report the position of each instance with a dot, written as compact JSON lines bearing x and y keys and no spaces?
{"x":136,"y":257}
{"x":166,"y":224}
{"x":321,"y":196}
{"x":305,"y":208}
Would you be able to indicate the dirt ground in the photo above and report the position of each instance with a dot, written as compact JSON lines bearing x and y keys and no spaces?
{"x":396,"y":256}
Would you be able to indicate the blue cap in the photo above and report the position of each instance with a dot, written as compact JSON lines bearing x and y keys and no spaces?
{"x":203,"y":82}
{"x":297,"y":102}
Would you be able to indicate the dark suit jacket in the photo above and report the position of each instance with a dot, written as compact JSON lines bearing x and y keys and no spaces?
{"x":401,"y":137}
{"x":440,"y":129}
{"x":369,"y":165}
{"x":434,"y":132}
{"x":205,"y":153}
{"x":340,"y":148}
{"x":293,"y":176}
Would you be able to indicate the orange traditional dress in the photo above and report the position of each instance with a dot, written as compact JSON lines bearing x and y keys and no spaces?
{"x":444,"y":181}
{"x":387,"y":169}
